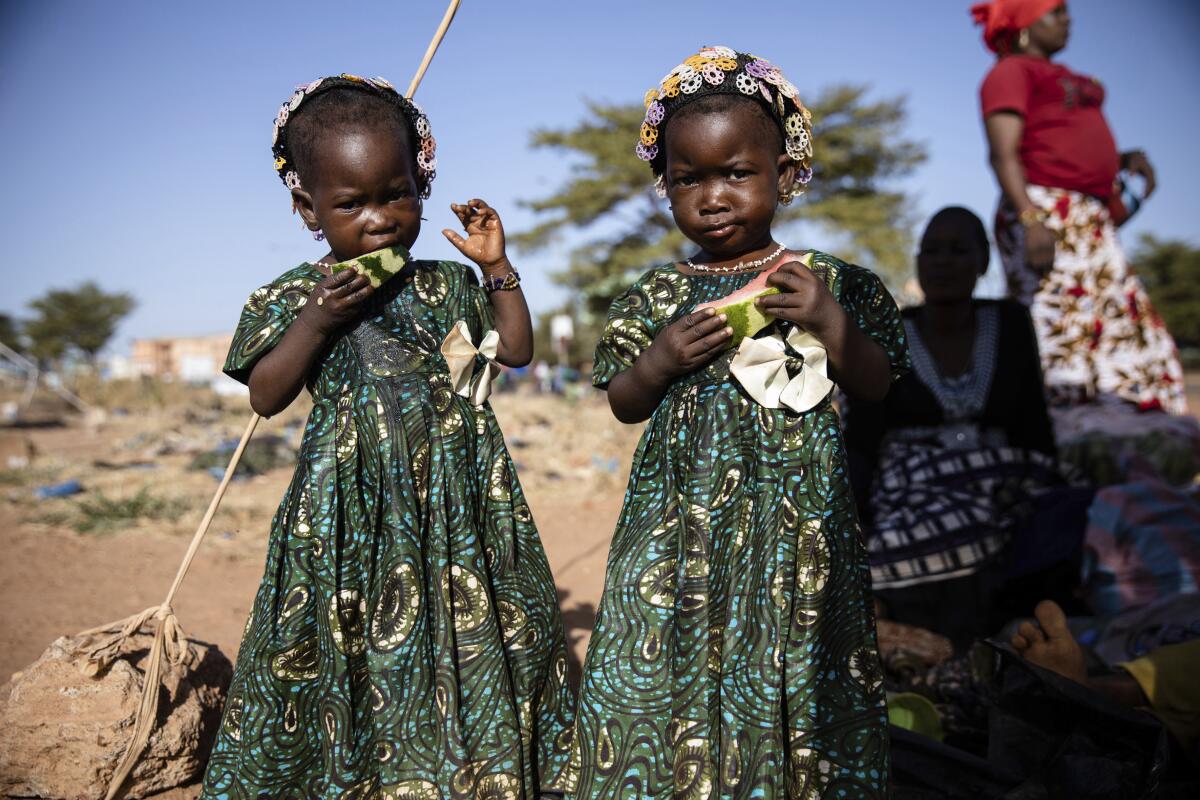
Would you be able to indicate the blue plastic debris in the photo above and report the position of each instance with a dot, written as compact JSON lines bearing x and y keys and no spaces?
{"x":64,"y":489}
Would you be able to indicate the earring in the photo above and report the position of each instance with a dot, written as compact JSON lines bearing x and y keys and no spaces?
{"x":1023,"y":38}
{"x":319,"y":235}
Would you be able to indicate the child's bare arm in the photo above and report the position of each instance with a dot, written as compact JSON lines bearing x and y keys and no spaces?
{"x":485,"y":246}
{"x":512,"y":323}
{"x":860,"y":366}
{"x":279,"y":376}
{"x":682,"y":347}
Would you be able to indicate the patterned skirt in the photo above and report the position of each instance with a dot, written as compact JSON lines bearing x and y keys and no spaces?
{"x":943,"y":513}
{"x":734,"y":650}
{"x":1097,"y":331}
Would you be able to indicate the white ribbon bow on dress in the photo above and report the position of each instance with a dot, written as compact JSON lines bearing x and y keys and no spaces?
{"x":460,"y":357}
{"x":760,"y":366}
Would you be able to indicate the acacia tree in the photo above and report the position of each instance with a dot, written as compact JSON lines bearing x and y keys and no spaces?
{"x":10,"y":334}
{"x":609,"y":198}
{"x":1170,"y":269}
{"x":77,"y":321}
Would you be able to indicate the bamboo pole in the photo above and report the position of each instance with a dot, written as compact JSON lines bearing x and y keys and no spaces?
{"x":170,"y":641}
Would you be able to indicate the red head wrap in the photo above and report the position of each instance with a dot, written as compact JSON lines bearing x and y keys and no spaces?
{"x":1002,"y":18}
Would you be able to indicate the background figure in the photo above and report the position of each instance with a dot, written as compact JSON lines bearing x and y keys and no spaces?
{"x":959,"y":458}
{"x":1162,"y":681}
{"x":1057,"y":165}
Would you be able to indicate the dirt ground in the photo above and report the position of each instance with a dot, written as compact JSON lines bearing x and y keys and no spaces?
{"x":572,"y":456}
{"x":572,"y":459}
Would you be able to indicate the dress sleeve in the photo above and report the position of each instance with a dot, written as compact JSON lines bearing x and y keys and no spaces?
{"x":267,"y":315}
{"x":629,"y":331}
{"x":873,"y":310}
{"x":1006,"y":88}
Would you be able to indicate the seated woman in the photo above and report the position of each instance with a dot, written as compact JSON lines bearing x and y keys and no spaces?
{"x":953,"y":464}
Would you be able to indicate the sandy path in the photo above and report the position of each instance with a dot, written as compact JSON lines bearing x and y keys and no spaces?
{"x":573,"y":461}
{"x":54,"y":581}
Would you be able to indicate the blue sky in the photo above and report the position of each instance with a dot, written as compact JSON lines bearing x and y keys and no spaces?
{"x":134,"y":136}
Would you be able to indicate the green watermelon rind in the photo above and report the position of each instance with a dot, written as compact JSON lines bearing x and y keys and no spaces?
{"x":745,"y":317}
{"x":377,"y":266}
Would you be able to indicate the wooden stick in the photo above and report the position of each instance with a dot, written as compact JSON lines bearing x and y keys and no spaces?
{"x":447,"y":18}
{"x":212,"y":507}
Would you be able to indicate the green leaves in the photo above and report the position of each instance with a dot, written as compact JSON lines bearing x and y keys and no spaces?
{"x":74,"y":321}
{"x":1170,"y":270}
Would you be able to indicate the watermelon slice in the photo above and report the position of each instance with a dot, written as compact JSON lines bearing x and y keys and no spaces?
{"x":377,"y":266}
{"x":739,"y":308}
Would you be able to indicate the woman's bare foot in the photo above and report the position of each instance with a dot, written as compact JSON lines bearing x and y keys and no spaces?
{"x":1049,"y":644}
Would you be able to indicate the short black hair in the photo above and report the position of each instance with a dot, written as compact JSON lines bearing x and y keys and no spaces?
{"x":968,"y":219}
{"x":342,"y":109}
{"x":718,"y":103}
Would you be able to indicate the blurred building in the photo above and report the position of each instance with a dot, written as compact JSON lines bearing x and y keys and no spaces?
{"x":196,"y":359}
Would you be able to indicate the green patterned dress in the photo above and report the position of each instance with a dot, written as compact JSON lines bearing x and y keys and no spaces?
{"x":405,"y":641}
{"x":734,"y":649}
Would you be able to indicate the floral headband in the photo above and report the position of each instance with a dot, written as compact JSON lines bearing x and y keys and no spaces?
{"x":720,"y":70}
{"x":418,"y":122}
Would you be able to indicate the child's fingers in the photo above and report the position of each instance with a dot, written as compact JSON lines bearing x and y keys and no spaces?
{"x":695,"y":318}
{"x":486,"y":217}
{"x":456,"y":240}
{"x":357,"y":282}
{"x":713,"y":341}
{"x":338,"y":279}
{"x":793,"y":267}
{"x":773,"y":303}
{"x":706,"y":326}
{"x":786,"y":281}
{"x":360,"y":294}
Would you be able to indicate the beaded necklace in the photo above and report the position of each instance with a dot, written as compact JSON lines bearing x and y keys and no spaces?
{"x":738,"y":267}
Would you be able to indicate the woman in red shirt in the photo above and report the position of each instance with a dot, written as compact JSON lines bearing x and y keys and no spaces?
{"x":1057,"y":163}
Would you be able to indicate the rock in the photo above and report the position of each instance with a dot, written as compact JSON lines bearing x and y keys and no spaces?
{"x":62,"y":733}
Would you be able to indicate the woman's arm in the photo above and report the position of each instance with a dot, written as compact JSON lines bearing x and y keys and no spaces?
{"x":1004,"y":132}
{"x":278,"y":377}
{"x":682,"y":347}
{"x":1028,"y":419}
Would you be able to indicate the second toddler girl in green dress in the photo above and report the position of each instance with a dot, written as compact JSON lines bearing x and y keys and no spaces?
{"x":734,"y":649}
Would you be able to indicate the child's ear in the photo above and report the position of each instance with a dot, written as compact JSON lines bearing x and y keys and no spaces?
{"x":302,"y":202}
{"x":787,"y":174}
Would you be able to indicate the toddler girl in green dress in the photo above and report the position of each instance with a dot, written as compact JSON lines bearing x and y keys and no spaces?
{"x":406,"y":640}
{"x":734,"y":648}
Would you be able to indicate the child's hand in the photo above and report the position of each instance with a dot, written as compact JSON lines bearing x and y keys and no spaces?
{"x":485,"y":236}
{"x":803,"y":300}
{"x":336,"y":300}
{"x":687,"y":344}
